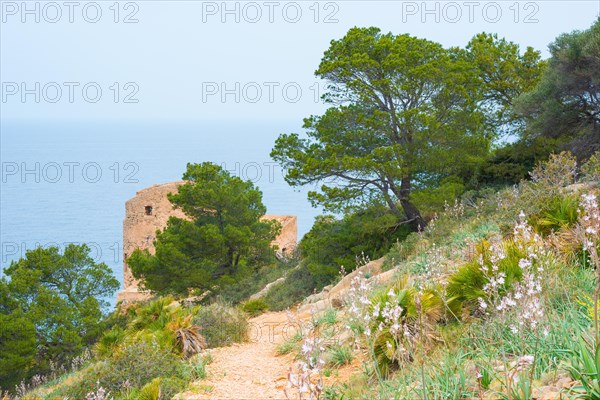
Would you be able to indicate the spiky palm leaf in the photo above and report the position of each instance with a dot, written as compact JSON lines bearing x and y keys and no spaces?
{"x":420,"y":311}
{"x":190,"y":341}
{"x":155,"y":315}
{"x":465,"y":286}
{"x":151,"y":391}
{"x":110,"y":341}
{"x":560,"y":213}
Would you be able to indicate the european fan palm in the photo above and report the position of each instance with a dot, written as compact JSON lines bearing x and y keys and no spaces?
{"x":189,"y":339}
{"x":402,"y":316}
{"x":466,"y":285}
{"x":162,"y":321}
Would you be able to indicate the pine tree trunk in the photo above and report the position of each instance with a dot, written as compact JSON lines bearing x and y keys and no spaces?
{"x":413,"y":216}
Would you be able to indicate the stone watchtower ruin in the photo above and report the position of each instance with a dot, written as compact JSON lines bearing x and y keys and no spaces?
{"x":150,"y":210}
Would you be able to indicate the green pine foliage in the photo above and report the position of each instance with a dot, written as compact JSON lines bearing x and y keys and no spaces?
{"x":222,"y":240}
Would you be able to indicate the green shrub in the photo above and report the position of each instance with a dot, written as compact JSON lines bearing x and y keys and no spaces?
{"x":465,"y":286}
{"x":590,"y":170}
{"x":170,"y":386}
{"x":138,"y":364}
{"x":222,"y":325}
{"x":195,"y":369}
{"x":134,"y":366}
{"x":158,"y":389}
{"x":147,"y":350}
{"x":299,"y":284}
{"x":402,"y":250}
{"x":555,"y":173}
{"x":157,"y":321}
{"x":154,"y":315}
{"x":255,"y":307}
{"x":163,"y":321}
{"x":151,"y":391}
{"x":548,"y":181}
{"x":511,"y":163}
{"x":332,"y":242}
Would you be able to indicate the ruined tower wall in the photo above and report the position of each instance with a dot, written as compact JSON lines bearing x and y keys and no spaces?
{"x":150,"y":210}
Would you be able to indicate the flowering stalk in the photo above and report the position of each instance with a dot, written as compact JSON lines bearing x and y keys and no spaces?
{"x":524,"y":300}
{"x":521,"y":305}
{"x":589,"y":226}
{"x":99,"y":394}
{"x":307,"y":380}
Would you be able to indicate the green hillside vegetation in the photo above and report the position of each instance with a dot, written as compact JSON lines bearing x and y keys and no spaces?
{"x":487,"y":302}
{"x":154,"y":352}
{"x":491,"y":250}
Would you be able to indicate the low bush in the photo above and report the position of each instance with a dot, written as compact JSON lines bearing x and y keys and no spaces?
{"x":221,"y":324}
{"x":252,"y":281}
{"x":590,"y":170}
{"x":332,"y":243}
{"x":555,"y":173}
{"x":163,"y":321}
{"x":154,"y":351}
{"x":299,"y":284}
{"x":133,"y":367}
{"x":196,"y":367}
{"x":110,"y":342}
{"x":392,"y":321}
{"x":402,"y":250}
{"x":327,"y":318}
{"x":255,"y":307}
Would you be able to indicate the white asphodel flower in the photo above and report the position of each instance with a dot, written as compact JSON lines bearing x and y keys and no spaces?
{"x":526,"y":360}
{"x":482,"y":303}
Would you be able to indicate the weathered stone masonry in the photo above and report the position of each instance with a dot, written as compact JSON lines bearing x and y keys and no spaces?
{"x":150,"y":210}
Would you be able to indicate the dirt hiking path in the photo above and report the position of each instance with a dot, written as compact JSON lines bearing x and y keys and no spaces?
{"x":253,"y":370}
{"x":250,"y":370}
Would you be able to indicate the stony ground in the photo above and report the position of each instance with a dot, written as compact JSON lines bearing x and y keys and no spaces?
{"x":251,"y":370}
{"x":254,"y":371}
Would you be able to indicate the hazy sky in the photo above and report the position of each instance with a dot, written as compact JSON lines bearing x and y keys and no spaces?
{"x":195,"y":59}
